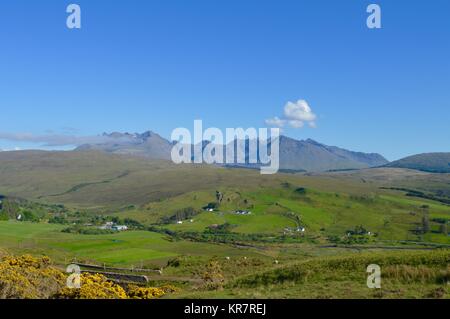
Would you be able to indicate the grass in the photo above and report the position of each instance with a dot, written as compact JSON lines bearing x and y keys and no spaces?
{"x":125,"y":249}
{"x":403,"y":275}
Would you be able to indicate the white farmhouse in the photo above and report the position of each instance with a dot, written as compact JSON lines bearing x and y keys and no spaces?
{"x":120,"y":227}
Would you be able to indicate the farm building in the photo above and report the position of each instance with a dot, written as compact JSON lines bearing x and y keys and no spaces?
{"x":119,"y":227}
{"x":243,"y":212}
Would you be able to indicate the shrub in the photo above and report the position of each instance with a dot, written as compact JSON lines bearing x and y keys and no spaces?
{"x":29,"y":216}
{"x":94,"y":287}
{"x":136,"y":292}
{"x":58,"y":220}
{"x":27,"y":277}
{"x":212,"y":276}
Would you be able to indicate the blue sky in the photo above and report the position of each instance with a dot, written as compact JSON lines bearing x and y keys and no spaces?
{"x":157,"y":65}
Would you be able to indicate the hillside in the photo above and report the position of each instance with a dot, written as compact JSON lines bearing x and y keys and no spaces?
{"x":428,"y":162}
{"x":94,"y":179}
{"x":97,"y":179}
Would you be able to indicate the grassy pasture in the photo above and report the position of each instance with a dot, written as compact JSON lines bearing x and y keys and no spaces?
{"x":403,"y":275}
{"x":125,"y":249}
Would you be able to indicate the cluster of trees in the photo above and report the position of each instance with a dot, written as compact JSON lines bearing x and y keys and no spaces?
{"x":14,"y":209}
{"x":358,"y":230}
{"x":443,"y":225}
{"x":80,"y":218}
{"x":23,"y":210}
{"x":300,"y":191}
{"x":425,"y":224}
{"x":182,"y":214}
{"x":78,"y":229}
{"x":358,"y":235}
{"x":223,"y":234}
{"x":89,"y":229}
{"x":9,"y":209}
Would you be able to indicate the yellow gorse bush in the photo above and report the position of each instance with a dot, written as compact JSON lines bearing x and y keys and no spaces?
{"x":136,"y":292}
{"x":94,"y":287}
{"x":28,"y":277}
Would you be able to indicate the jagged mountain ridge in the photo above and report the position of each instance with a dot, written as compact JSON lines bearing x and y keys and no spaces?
{"x":295,"y":155}
{"x":148,"y":145}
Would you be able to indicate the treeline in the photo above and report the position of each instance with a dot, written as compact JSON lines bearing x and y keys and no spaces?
{"x":78,"y":229}
{"x":80,"y":219}
{"x":179,"y":215}
{"x":91,"y":229}
{"x":223,"y":234}
{"x":23,"y":210}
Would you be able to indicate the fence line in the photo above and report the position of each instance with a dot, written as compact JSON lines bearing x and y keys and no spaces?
{"x":132,"y":269}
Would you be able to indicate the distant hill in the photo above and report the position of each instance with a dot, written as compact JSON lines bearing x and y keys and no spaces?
{"x":428,"y":162}
{"x":295,"y":155}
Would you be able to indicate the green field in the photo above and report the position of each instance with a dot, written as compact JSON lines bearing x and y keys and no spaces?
{"x":122,"y":249}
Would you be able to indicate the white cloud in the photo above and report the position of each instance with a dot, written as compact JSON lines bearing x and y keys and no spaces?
{"x":296,"y":124}
{"x":296,"y":114}
{"x":275,"y":122}
{"x":299,"y":111}
{"x":59,"y":139}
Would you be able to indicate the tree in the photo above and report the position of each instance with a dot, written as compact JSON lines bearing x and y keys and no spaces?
{"x":10,"y":208}
{"x":443,"y":229}
{"x":425,"y":224}
{"x":219,"y":197}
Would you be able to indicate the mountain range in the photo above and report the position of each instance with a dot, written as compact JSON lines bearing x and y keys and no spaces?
{"x":295,"y":155}
{"x":148,"y":144}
